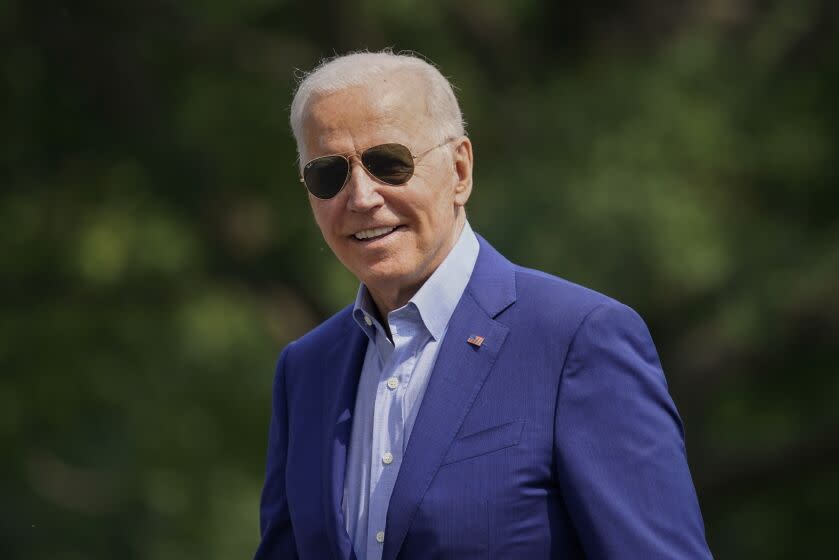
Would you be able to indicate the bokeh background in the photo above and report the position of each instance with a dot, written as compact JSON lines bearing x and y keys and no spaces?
{"x":157,"y":251}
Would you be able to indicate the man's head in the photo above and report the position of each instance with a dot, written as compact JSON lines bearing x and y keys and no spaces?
{"x":358,"y":101}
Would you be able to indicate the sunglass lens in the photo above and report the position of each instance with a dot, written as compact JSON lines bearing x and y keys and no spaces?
{"x":391,"y":163}
{"x":324,"y":177}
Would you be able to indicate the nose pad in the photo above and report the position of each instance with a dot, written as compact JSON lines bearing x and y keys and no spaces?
{"x":363,"y":190}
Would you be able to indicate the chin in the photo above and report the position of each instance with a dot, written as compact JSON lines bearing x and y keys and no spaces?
{"x":376,"y":276}
{"x":386,"y":274}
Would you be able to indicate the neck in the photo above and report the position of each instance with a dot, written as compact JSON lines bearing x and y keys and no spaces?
{"x":393,"y":296}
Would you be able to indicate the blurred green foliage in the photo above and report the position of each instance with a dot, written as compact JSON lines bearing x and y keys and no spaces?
{"x":157,"y":250}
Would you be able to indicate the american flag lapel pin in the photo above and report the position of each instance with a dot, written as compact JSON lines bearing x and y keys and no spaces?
{"x":475,"y":340}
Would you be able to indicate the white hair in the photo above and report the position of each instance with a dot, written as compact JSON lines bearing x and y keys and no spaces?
{"x":357,"y":69}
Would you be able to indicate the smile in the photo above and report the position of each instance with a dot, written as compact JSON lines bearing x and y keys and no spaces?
{"x":374,"y":233}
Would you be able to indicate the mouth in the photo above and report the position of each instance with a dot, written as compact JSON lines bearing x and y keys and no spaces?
{"x":374,"y":234}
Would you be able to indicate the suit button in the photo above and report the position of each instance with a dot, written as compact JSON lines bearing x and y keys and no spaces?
{"x":392,"y":383}
{"x":380,"y":537}
{"x":387,"y":458}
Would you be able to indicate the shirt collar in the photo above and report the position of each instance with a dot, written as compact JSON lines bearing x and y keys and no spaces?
{"x":438,"y":296}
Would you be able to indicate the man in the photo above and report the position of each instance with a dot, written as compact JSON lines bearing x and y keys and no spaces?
{"x":463,"y":407}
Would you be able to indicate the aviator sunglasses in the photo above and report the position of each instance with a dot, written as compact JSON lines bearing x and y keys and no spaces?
{"x":392,"y":164}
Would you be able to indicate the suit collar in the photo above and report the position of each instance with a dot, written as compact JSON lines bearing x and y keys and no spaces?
{"x":458,"y":376}
{"x":459,"y":373}
{"x":493,"y":282}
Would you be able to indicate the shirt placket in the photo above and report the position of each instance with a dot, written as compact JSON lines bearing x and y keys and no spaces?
{"x":388,"y":430}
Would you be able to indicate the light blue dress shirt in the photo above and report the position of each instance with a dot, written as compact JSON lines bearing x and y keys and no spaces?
{"x":392,"y":383}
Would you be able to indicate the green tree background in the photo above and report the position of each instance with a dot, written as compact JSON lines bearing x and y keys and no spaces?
{"x":157,"y":250}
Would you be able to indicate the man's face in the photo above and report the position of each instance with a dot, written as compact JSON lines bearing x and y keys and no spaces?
{"x":423,"y":217}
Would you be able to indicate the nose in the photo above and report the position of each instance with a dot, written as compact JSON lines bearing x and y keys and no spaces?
{"x":362,"y":191}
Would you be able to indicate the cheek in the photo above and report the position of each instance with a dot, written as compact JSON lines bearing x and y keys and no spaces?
{"x":324,"y":217}
{"x":440,"y":209}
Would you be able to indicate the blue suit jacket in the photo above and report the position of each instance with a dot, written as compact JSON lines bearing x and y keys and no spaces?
{"x":555,"y":438}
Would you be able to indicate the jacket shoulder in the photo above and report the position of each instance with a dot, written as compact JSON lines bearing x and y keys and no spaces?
{"x":542,"y":293}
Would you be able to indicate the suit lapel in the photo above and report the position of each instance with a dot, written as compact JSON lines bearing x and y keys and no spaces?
{"x":348,"y":358}
{"x":459,"y":373}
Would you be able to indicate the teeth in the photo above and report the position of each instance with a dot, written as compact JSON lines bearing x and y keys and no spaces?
{"x":375,"y":232}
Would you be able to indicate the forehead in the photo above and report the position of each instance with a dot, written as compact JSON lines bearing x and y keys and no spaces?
{"x":389,"y":110}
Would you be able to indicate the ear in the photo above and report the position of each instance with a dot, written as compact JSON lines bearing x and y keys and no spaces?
{"x":463,"y":162}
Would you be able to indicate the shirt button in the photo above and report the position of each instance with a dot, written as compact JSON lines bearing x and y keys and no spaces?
{"x":387,"y":458}
{"x":380,"y":537}
{"x":368,"y":320}
{"x":392,"y":383}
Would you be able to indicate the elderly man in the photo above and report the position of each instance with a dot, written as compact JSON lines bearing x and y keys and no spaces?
{"x":463,"y":407}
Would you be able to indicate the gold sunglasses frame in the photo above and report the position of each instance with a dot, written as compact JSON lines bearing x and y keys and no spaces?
{"x":348,"y":157}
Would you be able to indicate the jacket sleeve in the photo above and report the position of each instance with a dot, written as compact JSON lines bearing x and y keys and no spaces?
{"x":274,"y":518}
{"x":619,"y":445}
